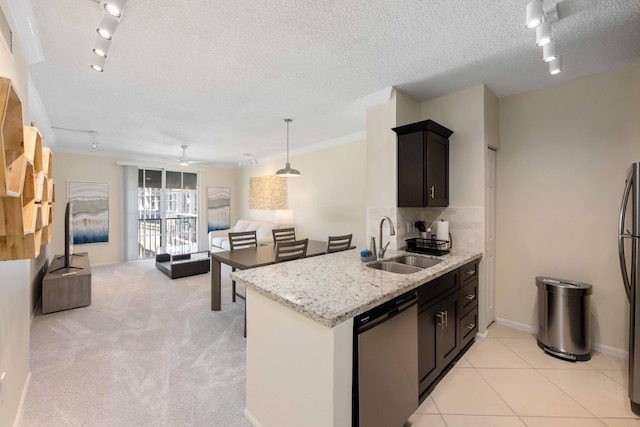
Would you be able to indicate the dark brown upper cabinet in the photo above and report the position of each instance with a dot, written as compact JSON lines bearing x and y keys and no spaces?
{"x":423,"y":164}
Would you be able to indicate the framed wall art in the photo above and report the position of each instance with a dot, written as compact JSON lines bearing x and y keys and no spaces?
{"x":90,"y":211}
{"x":218,"y":203}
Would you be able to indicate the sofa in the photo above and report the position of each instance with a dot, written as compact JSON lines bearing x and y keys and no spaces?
{"x":219,"y":240}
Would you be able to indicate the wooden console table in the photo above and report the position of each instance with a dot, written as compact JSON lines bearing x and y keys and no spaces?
{"x":68,"y":287}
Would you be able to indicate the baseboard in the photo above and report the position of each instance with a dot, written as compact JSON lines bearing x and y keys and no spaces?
{"x":612,"y":351}
{"x":482,"y":336}
{"x":16,"y":423}
{"x":251,"y":418}
{"x":516,"y":325}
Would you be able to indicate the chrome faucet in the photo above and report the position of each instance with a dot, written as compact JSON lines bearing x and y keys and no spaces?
{"x":392,"y":232}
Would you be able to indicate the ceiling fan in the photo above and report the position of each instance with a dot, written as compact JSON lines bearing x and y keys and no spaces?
{"x":184,"y":160}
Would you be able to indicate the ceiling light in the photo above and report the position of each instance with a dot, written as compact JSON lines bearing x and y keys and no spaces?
{"x":534,"y":14}
{"x":98,"y":63}
{"x":101,"y":47}
{"x":114,"y":7}
{"x":107,"y":27}
{"x":555,"y":66}
{"x":184,"y":160}
{"x":288,"y":171}
{"x":543,"y":34}
{"x":549,"y":52}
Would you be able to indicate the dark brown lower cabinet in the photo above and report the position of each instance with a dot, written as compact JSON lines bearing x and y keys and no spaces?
{"x":447,"y":323}
{"x":438,"y":339}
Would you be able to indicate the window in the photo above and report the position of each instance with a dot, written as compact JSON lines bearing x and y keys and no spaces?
{"x":167,"y":214}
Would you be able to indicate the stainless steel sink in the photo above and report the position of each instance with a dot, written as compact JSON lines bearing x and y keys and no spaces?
{"x":417,"y":261}
{"x":395,"y":267}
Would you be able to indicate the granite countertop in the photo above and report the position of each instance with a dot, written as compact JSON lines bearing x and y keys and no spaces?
{"x":335,"y":287}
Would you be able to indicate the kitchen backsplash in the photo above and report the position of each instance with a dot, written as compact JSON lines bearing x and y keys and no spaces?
{"x":466,"y":225}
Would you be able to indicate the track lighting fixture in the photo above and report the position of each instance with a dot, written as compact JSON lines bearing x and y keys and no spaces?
{"x":107,"y":27}
{"x":102,"y":47}
{"x":534,"y":14}
{"x":549,"y":52}
{"x":540,"y":19}
{"x":98,"y":63}
{"x":114,"y":7}
{"x":543,"y":34}
{"x":555,"y":66}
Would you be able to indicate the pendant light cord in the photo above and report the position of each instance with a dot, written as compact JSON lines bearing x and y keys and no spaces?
{"x":287,"y":121}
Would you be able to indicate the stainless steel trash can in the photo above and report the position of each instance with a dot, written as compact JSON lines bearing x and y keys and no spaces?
{"x":563,"y":315}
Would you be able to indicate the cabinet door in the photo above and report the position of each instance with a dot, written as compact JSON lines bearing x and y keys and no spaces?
{"x":427,"y":347}
{"x":437,"y":170}
{"x":447,"y":333}
{"x":411,"y":170}
{"x":437,"y":339}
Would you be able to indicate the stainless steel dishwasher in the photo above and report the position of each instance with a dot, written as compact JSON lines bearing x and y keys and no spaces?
{"x":385,"y":371}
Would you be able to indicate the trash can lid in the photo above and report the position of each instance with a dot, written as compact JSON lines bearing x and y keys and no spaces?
{"x":566,"y":287}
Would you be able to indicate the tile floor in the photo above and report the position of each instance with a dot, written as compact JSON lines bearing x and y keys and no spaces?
{"x":507,"y":381}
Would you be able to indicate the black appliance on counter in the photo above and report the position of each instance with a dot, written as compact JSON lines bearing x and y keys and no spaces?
{"x":428,"y":246}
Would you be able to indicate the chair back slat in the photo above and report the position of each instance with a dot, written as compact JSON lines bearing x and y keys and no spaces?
{"x":283,"y":234}
{"x":243,"y":239}
{"x":290,"y":250}
{"x":339,"y":243}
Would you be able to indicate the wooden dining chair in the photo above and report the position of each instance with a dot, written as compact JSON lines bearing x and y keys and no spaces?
{"x":290,"y":250}
{"x":283,"y":234}
{"x":338,"y":243}
{"x":241,"y":240}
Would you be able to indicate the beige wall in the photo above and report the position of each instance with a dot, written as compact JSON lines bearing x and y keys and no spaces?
{"x":329,"y":197}
{"x":463,"y":113}
{"x":17,"y":276}
{"x":561,"y":167}
{"x":76,"y":167}
{"x":381,"y":163}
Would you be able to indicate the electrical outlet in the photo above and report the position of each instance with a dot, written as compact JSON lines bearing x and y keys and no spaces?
{"x":4,"y":374}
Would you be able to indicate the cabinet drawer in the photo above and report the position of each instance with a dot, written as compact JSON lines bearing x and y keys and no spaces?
{"x":428,"y":292}
{"x":469,"y":272}
{"x":468,"y":327}
{"x":468,"y":296}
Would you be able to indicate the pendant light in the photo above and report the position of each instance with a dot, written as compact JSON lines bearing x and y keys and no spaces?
{"x":288,"y":171}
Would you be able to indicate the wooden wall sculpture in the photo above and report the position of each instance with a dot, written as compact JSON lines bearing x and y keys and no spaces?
{"x":27,"y":200}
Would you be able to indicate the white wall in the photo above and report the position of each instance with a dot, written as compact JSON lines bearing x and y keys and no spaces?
{"x":15,"y":285}
{"x":329,"y":197}
{"x":563,"y":155}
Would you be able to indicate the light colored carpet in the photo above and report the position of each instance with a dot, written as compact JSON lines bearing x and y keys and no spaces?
{"x":148,"y":351}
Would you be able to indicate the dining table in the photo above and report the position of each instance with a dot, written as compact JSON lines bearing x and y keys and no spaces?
{"x":246,"y":258}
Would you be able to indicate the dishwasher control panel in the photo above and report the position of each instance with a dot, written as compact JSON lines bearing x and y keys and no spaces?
{"x":386,"y":309}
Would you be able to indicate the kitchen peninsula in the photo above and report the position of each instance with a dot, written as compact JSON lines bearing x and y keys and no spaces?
{"x":300,"y":318}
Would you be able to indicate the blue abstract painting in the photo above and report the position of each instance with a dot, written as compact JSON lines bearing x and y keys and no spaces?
{"x":90,"y":215}
{"x":218,"y":201}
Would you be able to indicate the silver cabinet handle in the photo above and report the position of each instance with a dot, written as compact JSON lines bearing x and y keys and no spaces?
{"x":470,"y":297}
{"x":470,"y":326}
{"x":446,"y":319}
{"x":470,"y":272}
{"x":432,"y":190}
{"x":441,"y":316}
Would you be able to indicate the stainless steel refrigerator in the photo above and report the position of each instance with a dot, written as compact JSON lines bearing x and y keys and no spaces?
{"x":629,"y":249}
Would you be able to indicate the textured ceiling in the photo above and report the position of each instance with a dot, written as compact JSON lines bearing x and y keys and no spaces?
{"x":220,"y":76}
